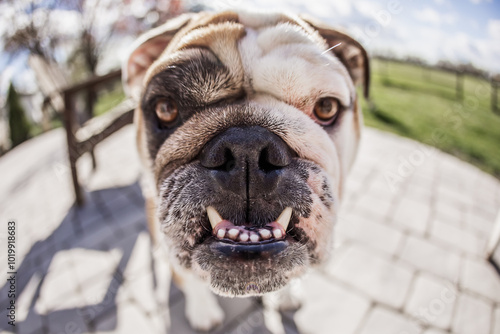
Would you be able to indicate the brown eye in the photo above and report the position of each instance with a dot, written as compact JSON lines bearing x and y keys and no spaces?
{"x":326,"y":108}
{"x":166,"y":110}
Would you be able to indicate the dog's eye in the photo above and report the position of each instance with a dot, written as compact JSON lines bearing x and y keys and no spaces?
{"x":166,"y":110}
{"x":326,"y":109}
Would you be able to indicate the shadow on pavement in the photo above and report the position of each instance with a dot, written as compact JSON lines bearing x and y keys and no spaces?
{"x":110,"y":217}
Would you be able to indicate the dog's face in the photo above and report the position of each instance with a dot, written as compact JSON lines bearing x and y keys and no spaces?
{"x":248,"y":125}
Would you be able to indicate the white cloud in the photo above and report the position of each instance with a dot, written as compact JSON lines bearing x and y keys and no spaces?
{"x":433,"y":44}
{"x":431,"y":16}
{"x":344,"y":8}
{"x":494,"y":29}
{"x":367,"y":8}
{"x":476,"y":2}
{"x":325,"y":10}
{"x":428,"y":15}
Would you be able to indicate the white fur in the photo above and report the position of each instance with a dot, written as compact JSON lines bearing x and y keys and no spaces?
{"x":257,"y":19}
{"x":284,"y":63}
{"x":346,"y":142}
{"x":202,"y":308}
{"x":288,"y":298}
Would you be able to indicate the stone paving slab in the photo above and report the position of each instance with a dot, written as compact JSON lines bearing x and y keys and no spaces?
{"x":343,"y":313}
{"x":377,"y":276}
{"x":409,"y":256}
{"x":473,"y":315}
{"x":432,"y":301}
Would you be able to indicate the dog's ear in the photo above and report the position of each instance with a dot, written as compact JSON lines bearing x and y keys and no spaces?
{"x":350,"y":52}
{"x":145,"y":50}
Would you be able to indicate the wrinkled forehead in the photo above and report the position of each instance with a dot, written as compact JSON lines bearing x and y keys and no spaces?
{"x":275,"y":54}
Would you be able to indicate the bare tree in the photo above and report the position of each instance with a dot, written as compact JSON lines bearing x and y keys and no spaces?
{"x":28,"y":29}
{"x":33,"y":27}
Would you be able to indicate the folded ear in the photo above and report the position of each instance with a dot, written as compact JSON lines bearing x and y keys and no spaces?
{"x":350,"y":52}
{"x":145,"y":50}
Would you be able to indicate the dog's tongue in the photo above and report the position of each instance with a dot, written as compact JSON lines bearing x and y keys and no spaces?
{"x":227,"y":230}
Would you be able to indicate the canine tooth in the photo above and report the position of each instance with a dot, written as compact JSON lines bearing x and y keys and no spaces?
{"x":284,"y":218}
{"x":244,"y":237}
{"x":233,"y":233}
{"x":277,"y":233}
{"x":265,"y":234}
{"x":254,"y":238}
{"x":221,"y":233}
{"x":213,"y":216}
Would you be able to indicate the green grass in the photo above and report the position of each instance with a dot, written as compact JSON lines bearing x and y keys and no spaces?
{"x":109,"y":99}
{"x":421,"y":104}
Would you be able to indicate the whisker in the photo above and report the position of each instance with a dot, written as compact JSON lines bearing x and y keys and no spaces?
{"x":333,"y":47}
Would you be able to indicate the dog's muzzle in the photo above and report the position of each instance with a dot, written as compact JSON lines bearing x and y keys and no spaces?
{"x":245,"y":207}
{"x":249,"y":162}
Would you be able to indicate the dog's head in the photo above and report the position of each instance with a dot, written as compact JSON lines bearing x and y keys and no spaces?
{"x":249,"y":124}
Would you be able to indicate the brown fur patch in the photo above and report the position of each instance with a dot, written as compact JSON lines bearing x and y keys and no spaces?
{"x":201,"y":20}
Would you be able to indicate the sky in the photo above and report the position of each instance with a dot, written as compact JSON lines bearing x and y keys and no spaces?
{"x":460,"y":31}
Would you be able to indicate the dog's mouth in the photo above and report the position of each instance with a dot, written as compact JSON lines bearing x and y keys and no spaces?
{"x":248,"y":241}
{"x":244,"y":259}
{"x":224,"y":230}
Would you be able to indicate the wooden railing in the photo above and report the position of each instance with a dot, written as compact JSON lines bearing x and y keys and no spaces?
{"x":84,"y":139}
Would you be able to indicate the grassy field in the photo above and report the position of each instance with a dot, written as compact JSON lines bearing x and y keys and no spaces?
{"x":421,"y":104}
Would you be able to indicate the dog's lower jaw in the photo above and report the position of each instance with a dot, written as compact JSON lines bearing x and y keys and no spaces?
{"x":253,"y":277}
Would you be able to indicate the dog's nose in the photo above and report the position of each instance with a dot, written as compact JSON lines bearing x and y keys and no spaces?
{"x":247,"y":161}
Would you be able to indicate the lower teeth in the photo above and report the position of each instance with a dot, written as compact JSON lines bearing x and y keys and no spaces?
{"x":240,"y":234}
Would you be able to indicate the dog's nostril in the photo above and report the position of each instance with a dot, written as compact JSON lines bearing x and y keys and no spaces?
{"x":230,"y":161}
{"x":266,"y":163}
{"x":220,"y":160}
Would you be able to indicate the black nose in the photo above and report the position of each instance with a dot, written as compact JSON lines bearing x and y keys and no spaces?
{"x":247,"y":161}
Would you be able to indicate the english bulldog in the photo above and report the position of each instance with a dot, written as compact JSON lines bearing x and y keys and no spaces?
{"x":247,"y":125}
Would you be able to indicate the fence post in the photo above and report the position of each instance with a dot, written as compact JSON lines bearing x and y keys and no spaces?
{"x":73,"y":148}
{"x":426,"y":71}
{"x":493,"y":248}
{"x":494,"y":89}
{"x":384,"y":65}
{"x":460,"y":85}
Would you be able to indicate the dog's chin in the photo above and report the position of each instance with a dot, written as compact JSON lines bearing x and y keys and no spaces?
{"x":238,"y":270}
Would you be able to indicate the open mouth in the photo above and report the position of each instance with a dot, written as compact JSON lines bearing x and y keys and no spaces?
{"x":246,"y":242}
{"x":225,"y":231}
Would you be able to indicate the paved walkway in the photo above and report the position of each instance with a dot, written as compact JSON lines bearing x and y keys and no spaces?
{"x":412,"y":233}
